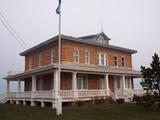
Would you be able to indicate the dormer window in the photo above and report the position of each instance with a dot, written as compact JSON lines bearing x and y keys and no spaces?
{"x":101,"y":39}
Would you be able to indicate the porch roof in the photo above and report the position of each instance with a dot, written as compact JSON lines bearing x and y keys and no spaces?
{"x":80,"y":68}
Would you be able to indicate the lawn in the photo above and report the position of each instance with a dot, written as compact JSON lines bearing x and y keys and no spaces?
{"x":111,"y":112}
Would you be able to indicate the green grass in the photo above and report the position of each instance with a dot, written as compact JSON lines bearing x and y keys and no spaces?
{"x":111,"y":112}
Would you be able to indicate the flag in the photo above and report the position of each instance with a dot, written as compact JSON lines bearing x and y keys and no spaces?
{"x":58,"y":10}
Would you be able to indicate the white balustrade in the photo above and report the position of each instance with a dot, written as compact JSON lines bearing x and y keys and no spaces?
{"x":43,"y":94}
{"x":139,"y":92}
{"x":91,"y":93}
{"x":66,"y":93}
{"x":11,"y":95}
{"x":24,"y":94}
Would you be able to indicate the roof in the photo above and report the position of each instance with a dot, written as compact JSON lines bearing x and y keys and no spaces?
{"x":84,"y":39}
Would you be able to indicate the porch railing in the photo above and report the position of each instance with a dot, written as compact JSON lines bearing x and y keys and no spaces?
{"x":67,"y":94}
{"x":91,"y":93}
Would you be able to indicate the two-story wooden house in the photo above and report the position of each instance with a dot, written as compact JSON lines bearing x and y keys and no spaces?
{"x":90,"y":67}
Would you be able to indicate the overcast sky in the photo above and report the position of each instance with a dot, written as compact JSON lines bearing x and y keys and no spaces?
{"x":132,"y":24}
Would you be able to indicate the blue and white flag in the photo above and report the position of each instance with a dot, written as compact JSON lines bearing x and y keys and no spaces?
{"x":58,"y":10}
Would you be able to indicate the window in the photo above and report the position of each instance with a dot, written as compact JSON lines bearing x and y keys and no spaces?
{"x":115,"y":61}
{"x":76,"y":56}
{"x":102,"y":59}
{"x":128,"y":82}
{"x":87,"y":57}
{"x":52,"y":56}
{"x":123,"y":61}
{"x":40,"y":84}
{"x":40,"y":60}
{"x":82,"y":82}
{"x":30,"y":64}
{"x":102,"y":83}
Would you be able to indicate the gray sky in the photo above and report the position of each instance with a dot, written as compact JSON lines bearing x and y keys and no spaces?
{"x":129,"y":23}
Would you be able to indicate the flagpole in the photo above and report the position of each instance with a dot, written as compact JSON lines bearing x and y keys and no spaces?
{"x":59,"y":100}
{"x":59,"y":51}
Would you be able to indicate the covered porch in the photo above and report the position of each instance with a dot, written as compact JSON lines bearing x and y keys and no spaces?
{"x":74,"y":86}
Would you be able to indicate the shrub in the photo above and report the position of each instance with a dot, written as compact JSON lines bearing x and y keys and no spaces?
{"x":120,"y":101}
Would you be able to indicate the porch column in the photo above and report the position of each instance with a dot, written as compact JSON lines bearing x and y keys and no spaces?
{"x":33,"y":89}
{"x":56,"y":82}
{"x":8,"y":86}
{"x":107,"y":83}
{"x":33,"y":83}
{"x":19,"y":90}
{"x":19,"y":85}
{"x":74,"y":84}
{"x":123,"y":84}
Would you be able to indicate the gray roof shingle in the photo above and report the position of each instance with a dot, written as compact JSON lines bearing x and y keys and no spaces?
{"x":84,"y":39}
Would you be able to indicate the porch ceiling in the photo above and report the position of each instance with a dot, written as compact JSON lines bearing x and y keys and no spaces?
{"x":81,"y":68}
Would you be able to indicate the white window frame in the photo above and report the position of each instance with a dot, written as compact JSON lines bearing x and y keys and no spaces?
{"x":40,"y":60}
{"x":123,"y":61}
{"x":128,"y":83}
{"x":87,"y":57}
{"x":104,"y":58}
{"x":76,"y":57}
{"x":52,"y":56}
{"x":30,"y":64}
{"x":82,"y":79}
{"x":116,"y":60}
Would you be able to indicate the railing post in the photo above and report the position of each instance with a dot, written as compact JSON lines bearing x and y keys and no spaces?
{"x":74,"y":84}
